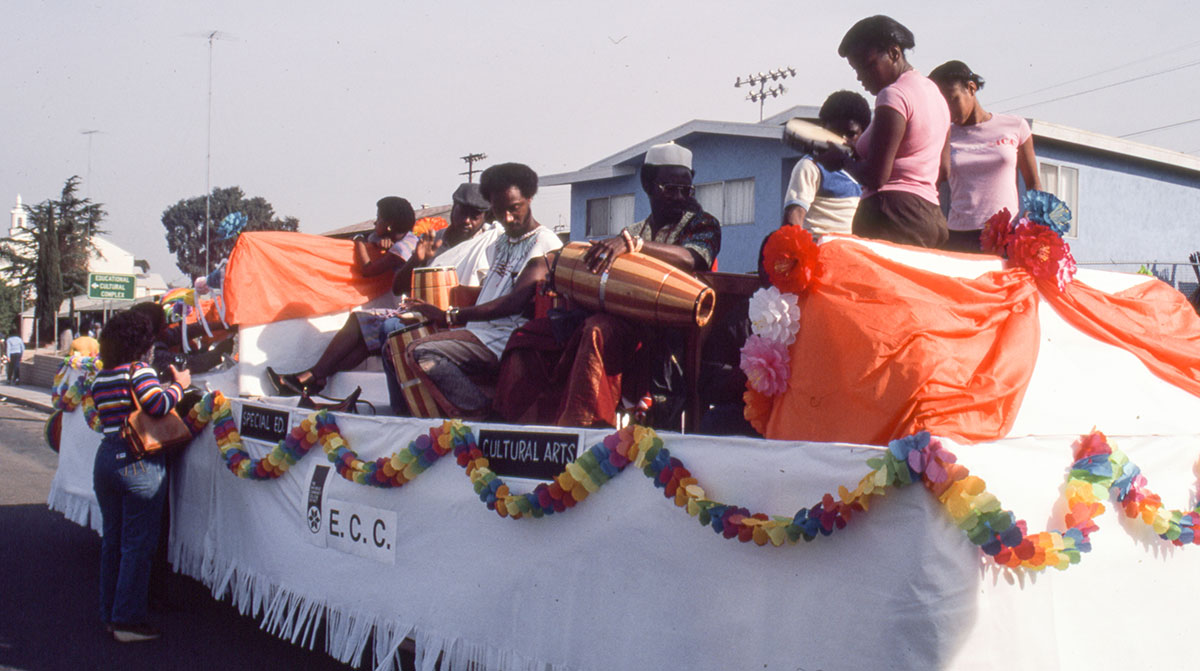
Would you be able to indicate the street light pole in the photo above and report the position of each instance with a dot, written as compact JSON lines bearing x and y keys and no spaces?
{"x":760,"y":80}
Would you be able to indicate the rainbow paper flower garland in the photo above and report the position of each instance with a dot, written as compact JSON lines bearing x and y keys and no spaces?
{"x":67,"y":397}
{"x":1099,"y":471}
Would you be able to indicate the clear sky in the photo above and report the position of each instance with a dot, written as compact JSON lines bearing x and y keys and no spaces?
{"x":322,"y":108}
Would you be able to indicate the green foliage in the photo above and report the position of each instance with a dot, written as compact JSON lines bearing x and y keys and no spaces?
{"x":52,"y":256}
{"x":10,"y":309}
{"x":184,"y":224}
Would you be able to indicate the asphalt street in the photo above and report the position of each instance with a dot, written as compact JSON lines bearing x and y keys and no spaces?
{"x":48,"y":588}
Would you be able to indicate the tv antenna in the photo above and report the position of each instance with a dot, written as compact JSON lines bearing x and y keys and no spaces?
{"x":211,"y":36}
{"x":760,"y":80}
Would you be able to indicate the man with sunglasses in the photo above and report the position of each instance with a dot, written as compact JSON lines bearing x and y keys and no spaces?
{"x":610,"y":348}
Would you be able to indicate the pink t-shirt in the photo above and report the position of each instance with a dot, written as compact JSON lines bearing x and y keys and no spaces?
{"x":983,"y":170}
{"x":919,"y":155}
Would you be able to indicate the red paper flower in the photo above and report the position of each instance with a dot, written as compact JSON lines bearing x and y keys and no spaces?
{"x":1042,"y":252}
{"x":994,"y":237}
{"x":790,"y":258}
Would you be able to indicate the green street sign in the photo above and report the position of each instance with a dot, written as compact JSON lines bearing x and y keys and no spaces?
{"x":108,"y":285}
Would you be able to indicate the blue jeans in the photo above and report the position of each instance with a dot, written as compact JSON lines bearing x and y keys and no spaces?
{"x":131,"y":494}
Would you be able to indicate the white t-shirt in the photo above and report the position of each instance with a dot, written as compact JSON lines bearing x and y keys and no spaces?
{"x":829,"y":198}
{"x":471,"y":259}
{"x":509,"y":258}
{"x":983,"y":170}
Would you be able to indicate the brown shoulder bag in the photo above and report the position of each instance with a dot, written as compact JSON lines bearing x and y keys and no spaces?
{"x":149,"y":435}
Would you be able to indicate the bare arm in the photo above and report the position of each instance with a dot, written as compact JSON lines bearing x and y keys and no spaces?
{"x":1027,"y":166}
{"x":875,"y":169}
{"x":603,"y":252}
{"x":944,"y":166}
{"x":511,"y":303}
{"x":371,"y":260}
{"x":794,"y":215}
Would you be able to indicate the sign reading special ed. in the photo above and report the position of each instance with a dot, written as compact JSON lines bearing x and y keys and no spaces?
{"x":267,"y":426}
{"x":535,"y":455}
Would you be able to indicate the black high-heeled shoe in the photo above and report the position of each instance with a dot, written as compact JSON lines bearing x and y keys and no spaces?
{"x":283,"y":385}
{"x":348,"y":404}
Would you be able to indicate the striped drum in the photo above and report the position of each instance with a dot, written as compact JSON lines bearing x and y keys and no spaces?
{"x":433,"y":285}
{"x":638,"y":287}
{"x":420,"y":402}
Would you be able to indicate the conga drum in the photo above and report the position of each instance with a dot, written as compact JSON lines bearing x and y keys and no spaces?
{"x":433,"y":284}
{"x":420,"y":402}
{"x":638,"y":287}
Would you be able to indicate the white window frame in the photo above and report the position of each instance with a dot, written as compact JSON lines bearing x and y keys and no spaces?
{"x":612,"y":226}
{"x":1063,"y":181}
{"x":724,"y":213}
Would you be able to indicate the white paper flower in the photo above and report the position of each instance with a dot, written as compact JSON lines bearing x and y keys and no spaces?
{"x":775,"y":315}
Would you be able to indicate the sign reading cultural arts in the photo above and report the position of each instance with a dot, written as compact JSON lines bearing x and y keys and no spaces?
{"x":528,"y":454}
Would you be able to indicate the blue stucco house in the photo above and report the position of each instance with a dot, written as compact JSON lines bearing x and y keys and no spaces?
{"x":1134,"y":204}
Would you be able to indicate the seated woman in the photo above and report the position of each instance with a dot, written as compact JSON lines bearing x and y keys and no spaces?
{"x":392,"y":247}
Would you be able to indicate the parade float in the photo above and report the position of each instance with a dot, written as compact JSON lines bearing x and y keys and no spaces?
{"x":970,"y":462}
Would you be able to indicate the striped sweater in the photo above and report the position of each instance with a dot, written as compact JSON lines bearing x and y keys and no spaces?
{"x":111,"y":392}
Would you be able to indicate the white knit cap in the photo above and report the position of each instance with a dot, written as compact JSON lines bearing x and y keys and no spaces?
{"x":669,"y":154}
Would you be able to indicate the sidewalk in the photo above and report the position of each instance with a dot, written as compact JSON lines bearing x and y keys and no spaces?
{"x":26,"y":395}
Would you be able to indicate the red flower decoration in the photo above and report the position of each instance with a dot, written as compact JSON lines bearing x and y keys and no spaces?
{"x":1042,"y":252}
{"x":994,"y":237}
{"x":790,"y":258}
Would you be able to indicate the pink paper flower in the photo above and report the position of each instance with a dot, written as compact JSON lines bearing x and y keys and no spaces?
{"x":765,"y":363}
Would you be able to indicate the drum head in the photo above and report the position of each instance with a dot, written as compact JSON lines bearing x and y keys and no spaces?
{"x":806,"y":136}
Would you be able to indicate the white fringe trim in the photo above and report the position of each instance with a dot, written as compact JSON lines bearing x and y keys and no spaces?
{"x":297,"y":617}
{"x":81,"y":510}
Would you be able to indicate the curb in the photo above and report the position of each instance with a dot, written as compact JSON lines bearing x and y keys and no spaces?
{"x":43,"y":406}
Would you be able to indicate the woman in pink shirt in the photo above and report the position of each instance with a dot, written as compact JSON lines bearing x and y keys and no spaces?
{"x":900,"y":153}
{"x":987,"y":152}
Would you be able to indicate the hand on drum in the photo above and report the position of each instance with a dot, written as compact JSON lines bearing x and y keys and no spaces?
{"x":431,"y":312}
{"x":603,"y":252}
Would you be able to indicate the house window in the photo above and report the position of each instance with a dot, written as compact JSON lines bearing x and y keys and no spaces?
{"x":607,"y":216}
{"x":1063,"y":182}
{"x":731,"y":202}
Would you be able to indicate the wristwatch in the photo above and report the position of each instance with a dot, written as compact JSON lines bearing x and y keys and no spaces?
{"x":451,"y":317}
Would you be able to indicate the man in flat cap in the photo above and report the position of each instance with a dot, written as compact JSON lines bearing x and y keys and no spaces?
{"x":608,"y":348}
{"x":464,"y":244}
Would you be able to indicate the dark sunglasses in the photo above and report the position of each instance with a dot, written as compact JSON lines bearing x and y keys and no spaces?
{"x":681,"y":190}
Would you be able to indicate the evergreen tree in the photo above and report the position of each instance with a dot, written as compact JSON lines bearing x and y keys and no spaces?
{"x":48,"y":276}
{"x":184,"y":224}
{"x":52,"y":256}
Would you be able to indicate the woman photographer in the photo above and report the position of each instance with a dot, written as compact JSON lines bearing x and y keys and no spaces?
{"x":129,"y":489}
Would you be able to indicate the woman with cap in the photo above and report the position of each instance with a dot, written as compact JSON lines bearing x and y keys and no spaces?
{"x":987,"y":153}
{"x":900,"y":153}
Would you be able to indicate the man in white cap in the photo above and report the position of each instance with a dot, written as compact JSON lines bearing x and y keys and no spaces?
{"x":678,"y":231}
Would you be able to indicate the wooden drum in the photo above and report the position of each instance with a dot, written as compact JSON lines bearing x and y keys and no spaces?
{"x":433,"y":284}
{"x":420,"y":402}
{"x":638,"y":287}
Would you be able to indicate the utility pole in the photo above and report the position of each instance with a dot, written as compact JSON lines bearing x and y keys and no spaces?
{"x":760,"y":80}
{"x":471,"y":160}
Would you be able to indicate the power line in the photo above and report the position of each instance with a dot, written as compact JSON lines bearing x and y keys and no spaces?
{"x":1106,"y":86}
{"x":1170,"y":125}
{"x":1097,"y":74}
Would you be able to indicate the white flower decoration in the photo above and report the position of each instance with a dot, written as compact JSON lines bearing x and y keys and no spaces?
{"x":775,"y":315}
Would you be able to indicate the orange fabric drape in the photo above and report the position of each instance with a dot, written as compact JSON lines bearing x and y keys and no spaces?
{"x":1152,"y":321}
{"x":276,"y":275}
{"x":885,"y":349}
